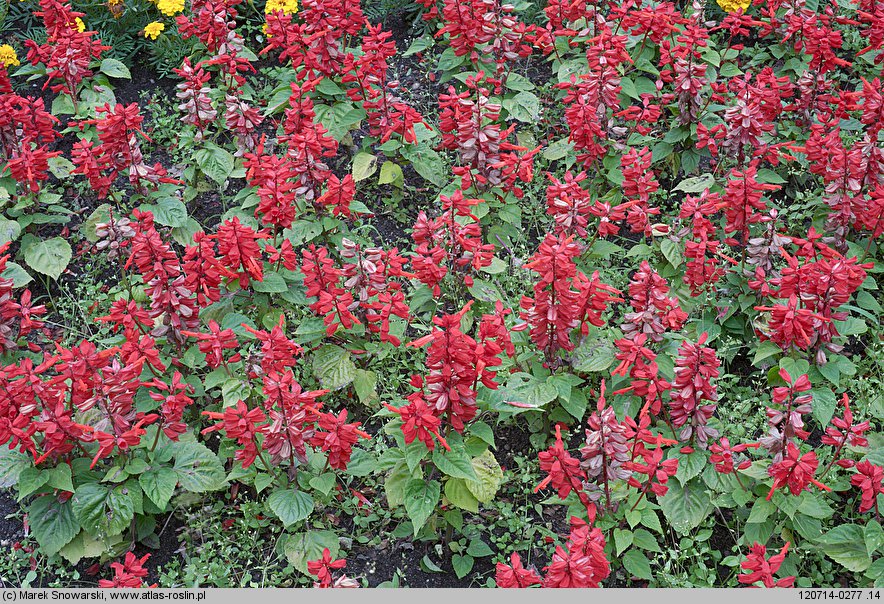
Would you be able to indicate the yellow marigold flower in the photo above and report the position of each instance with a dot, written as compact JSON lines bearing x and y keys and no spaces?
{"x":170,"y":7}
{"x":8,"y":58}
{"x":78,"y":22}
{"x":152,"y":30}
{"x":731,"y":6}
{"x":289,"y":7}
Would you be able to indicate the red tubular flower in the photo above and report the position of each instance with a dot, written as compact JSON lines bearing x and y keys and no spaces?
{"x":563,"y":470}
{"x":418,"y":422}
{"x":174,"y":400}
{"x":193,"y":92}
{"x":211,"y":21}
{"x":322,"y":280}
{"x":869,"y":479}
{"x":723,"y":455}
{"x":795,"y":471}
{"x":569,"y":204}
{"x":787,"y":423}
{"x":278,"y":353}
{"x":844,"y":432}
{"x":338,"y":438}
{"x":453,"y":369}
{"x":743,"y":199}
{"x":653,"y":310}
{"x":514,"y":575}
{"x":444,"y":245}
{"x":638,"y":186}
{"x":657,"y":471}
{"x":239,"y":252}
{"x":693,"y":394}
{"x":790,"y":325}
{"x":275,"y":178}
{"x":557,"y":308}
{"x":214,"y":343}
{"x":242,"y":424}
{"x":761,"y":568}
{"x":583,"y":563}
{"x":338,"y":195}
{"x":322,"y":569}
{"x":128,"y":574}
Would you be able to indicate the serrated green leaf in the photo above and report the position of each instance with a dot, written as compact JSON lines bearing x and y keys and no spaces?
{"x":489,"y":475}
{"x":198,"y":469}
{"x":290,"y":505}
{"x":103,"y":510}
{"x":159,"y":485}
{"x":421,"y":499}
{"x":47,"y":256}
{"x":333,"y":367}
{"x":52,"y":523}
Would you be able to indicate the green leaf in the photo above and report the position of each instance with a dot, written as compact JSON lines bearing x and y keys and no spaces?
{"x":524,"y":106}
{"x":427,"y":162}
{"x":622,"y":540}
{"x":159,"y":485}
{"x":20,"y":277}
{"x":525,"y":388}
{"x":671,"y":251}
{"x":30,"y":480}
{"x":301,"y":548}
{"x":458,"y":494}
{"x":234,"y":390}
{"x":462,"y":565}
{"x":420,"y":44}
{"x":761,"y":510}
{"x":215,"y":162}
{"x":395,"y":482}
{"x":362,"y":463}
{"x":593,"y":356}
{"x":685,"y":507}
{"x":198,"y":469}
{"x":12,"y":464}
{"x":845,"y":544}
{"x":333,"y":367}
{"x":290,"y":505}
{"x":364,"y":165}
{"x":479,"y":549}
{"x":324,"y":483}
{"x":168,"y":211}
{"x":637,"y":564}
{"x":690,"y":465}
{"x":365,"y":384}
{"x":421,"y":498}
{"x":696,"y":184}
{"x":454,"y":463}
{"x":489,"y":474}
{"x":9,"y":230}
{"x":115,"y":69}
{"x":766,"y":350}
{"x":645,"y":540}
{"x":103,"y":511}
{"x":47,"y":256}
{"x":558,"y":149}
{"x":873,"y":536}
{"x":53,"y":524}
{"x":86,"y":546}
{"x":824,"y":404}
{"x":272,"y":283}
{"x":483,"y":431}
{"x":391,"y":174}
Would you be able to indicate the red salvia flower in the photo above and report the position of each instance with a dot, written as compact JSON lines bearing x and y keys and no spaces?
{"x":239,"y":252}
{"x":514,"y":575}
{"x":129,"y":573}
{"x":760,"y":568}
{"x":795,"y":471}
{"x":869,"y":479}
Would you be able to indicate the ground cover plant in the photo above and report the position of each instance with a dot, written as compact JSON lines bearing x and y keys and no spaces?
{"x":441,"y":293}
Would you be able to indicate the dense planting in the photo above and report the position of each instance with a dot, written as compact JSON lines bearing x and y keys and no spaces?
{"x":565,"y":295}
